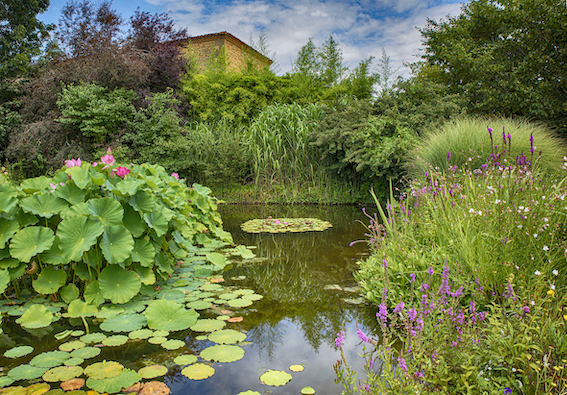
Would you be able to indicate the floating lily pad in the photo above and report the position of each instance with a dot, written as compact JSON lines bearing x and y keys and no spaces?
{"x":72,"y":385}
{"x":235,"y":319}
{"x":249,"y":392}
{"x":360,"y":300}
{"x":227,"y":336}
{"x":104,"y":370}
{"x":296,"y":368}
{"x":173,"y":344}
{"x":169,"y":315}
{"x":74,"y":361}
{"x":141,"y":334}
{"x":157,"y":340}
{"x":244,"y":291}
{"x":160,"y":332}
{"x":69,"y":293}
{"x":223,"y":317}
{"x":86,"y":352}
{"x":36,"y":316}
{"x":26,"y":372}
{"x":50,"y":359}
{"x":198,"y":371}
{"x":282,"y":225}
{"x":114,"y":341}
{"x":112,"y":385}
{"x":78,"y":308}
{"x":208,"y":325}
{"x":252,"y":297}
{"x":72,"y":345}
{"x":6,"y":381}
{"x":17,"y":352}
{"x":153,"y":371}
{"x":95,"y":337}
{"x":211,"y":287}
{"x":199,"y":305}
{"x":307,"y":391}
{"x":77,"y":333}
{"x":124,"y":323}
{"x":275,"y":378}
{"x":228,"y":296}
{"x":202,"y":337}
{"x":223,"y":353}
{"x":235,"y":303}
{"x":185,"y":359}
{"x":109,"y":311}
{"x":62,"y":373}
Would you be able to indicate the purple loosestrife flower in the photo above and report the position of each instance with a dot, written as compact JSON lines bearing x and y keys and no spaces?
{"x":340,"y":339}
{"x":430,"y":271}
{"x":362,"y":336}
{"x":382,"y":313}
{"x":412,"y":314}
{"x":399,"y":308}
{"x":385,"y":263}
{"x":402,"y":364}
{"x":448,"y":155}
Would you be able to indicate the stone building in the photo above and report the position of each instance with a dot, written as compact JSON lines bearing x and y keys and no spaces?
{"x":238,"y":54}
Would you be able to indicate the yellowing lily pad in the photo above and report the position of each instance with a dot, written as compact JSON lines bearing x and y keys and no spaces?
{"x":150,"y":372}
{"x":222,"y":353}
{"x":36,"y":316}
{"x":275,"y":378}
{"x":249,"y":392}
{"x":17,"y":352}
{"x":282,"y":225}
{"x":198,"y":371}
{"x":227,"y":336}
{"x":104,"y":370}
{"x":296,"y":368}
{"x":307,"y":391}
{"x":74,"y":361}
{"x":112,"y":385}
{"x":62,"y":373}
{"x":185,"y":359}
{"x":208,"y":325}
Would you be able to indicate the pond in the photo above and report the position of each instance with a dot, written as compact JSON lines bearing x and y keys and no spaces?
{"x":309,"y":295}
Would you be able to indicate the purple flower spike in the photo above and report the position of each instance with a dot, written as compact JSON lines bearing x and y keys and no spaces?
{"x":340,"y":339}
{"x":449,"y":155}
{"x":362,"y":336}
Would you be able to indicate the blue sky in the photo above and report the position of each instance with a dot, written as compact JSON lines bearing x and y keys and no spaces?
{"x":362,"y":28}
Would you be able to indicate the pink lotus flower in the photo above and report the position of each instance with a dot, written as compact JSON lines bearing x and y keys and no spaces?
{"x":175,"y":175}
{"x":107,"y":159}
{"x":73,"y":162}
{"x":122,"y":171}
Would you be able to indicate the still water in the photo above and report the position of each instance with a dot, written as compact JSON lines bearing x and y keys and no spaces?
{"x":297,"y":320}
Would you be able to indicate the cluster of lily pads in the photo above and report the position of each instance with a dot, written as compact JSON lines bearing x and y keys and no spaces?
{"x":282,"y":225}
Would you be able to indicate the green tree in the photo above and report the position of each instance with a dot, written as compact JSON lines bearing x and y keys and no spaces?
{"x":331,"y":62}
{"x":506,"y":57}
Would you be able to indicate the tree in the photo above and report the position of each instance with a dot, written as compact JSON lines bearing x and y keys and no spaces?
{"x":506,"y":57}
{"x":331,"y":61}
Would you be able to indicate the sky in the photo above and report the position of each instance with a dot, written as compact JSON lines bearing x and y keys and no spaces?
{"x":362,"y":28}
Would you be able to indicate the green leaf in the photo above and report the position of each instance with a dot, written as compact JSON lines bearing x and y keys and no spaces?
{"x":118,"y":284}
{"x":7,"y":229}
{"x":133,"y":222}
{"x":7,"y":202}
{"x":170,"y":316}
{"x":78,"y":308}
{"x":152,"y":371}
{"x":71,"y":193}
{"x":275,"y":378}
{"x":198,"y":371}
{"x":124,"y":323}
{"x":49,"y":280}
{"x":77,"y":234}
{"x":147,"y":275}
{"x":36,"y":316}
{"x":54,"y":254}
{"x":36,"y":184}
{"x":219,"y":260}
{"x":116,"y":244}
{"x":30,"y":241}
{"x":45,"y":205}
{"x":208,"y":325}
{"x":50,"y":359}
{"x":244,"y":252}
{"x":26,"y":372}
{"x":4,"y":280}
{"x":223,"y":353}
{"x":17,"y":352}
{"x":80,"y":175}
{"x":143,"y":252}
{"x":112,"y":385}
{"x":104,"y":370}
{"x":127,"y":187}
{"x":107,"y":210}
{"x":69,"y":293}
{"x":227,"y":336}
{"x":62,"y":373}
{"x":157,"y":222}
{"x":185,"y":359}
{"x":93,"y":294}
{"x":143,"y":202}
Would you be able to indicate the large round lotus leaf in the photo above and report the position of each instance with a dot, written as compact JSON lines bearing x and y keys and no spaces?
{"x":71,"y":346}
{"x":44,"y":204}
{"x":239,"y":303}
{"x":69,"y":293}
{"x":275,"y":378}
{"x":141,"y":334}
{"x":77,"y":234}
{"x":104,"y":370}
{"x":71,"y":193}
{"x":50,"y":359}
{"x":26,"y":372}
{"x":108,"y":311}
{"x":222,"y":353}
{"x":30,"y":241}
{"x":199,"y":305}
{"x":133,"y":221}
{"x":4,"y":280}
{"x":185,"y":359}
{"x":81,"y":209}
{"x":227,"y":336}
{"x":169,"y":316}
{"x":62,"y":373}
{"x":118,"y":284}
{"x":171,"y":294}
{"x":124,"y":323}
{"x":116,"y":340}
{"x":86,"y":352}
{"x":157,"y":340}
{"x":6,"y":381}
{"x":107,"y":210}
{"x":80,"y":175}
{"x":150,"y":372}
{"x":93,"y":337}
{"x":208,"y":325}
{"x":78,"y":308}
{"x":198,"y":371}
{"x":219,"y":260}
{"x":173,"y":344}
{"x":36,"y":316}
{"x":93,"y":294}
{"x":49,"y":280}
{"x":7,"y":229}
{"x":157,"y":221}
{"x":114,"y":384}
{"x":143,"y":252}
{"x":117,"y":244}
{"x":17,"y":352}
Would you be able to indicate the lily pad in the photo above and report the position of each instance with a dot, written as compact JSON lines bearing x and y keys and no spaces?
{"x":141,"y":334}
{"x":6,"y":381}
{"x":71,"y":346}
{"x":26,"y":372}
{"x":198,"y":371}
{"x":169,"y":315}
{"x":69,"y":293}
{"x":112,"y":385}
{"x":296,"y":368}
{"x":199,"y":305}
{"x":17,"y":352}
{"x":185,"y":359}
{"x":75,"y":361}
{"x":208,"y":325}
{"x":307,"y":391}
{"x":86,"y":352}
{"x":36,"y":316}
{"x":249,"y":392}
{"x":114,"y":341}
{"x":78,"y":308}
{"x":62,"y":373}
{"x":104,"y":370}
{"x":118,"y":284}
{"x":173,"y":344}
{"x":282,"y":225}
{"x":227,"y":336}
{"x":252,"y":297}
{"x":157,"y":340}
{"x":153,"y":371}
{"x":49,"y":359}
{"x":95,"y":337}
{"x":77,"y":234}
{"x":228,"y":296}
{"x":124,"y":323}
{"x":49,"y":280}
{"x":234,"y":303}
{"x":275,"y":378}
{"x":223,"y":353}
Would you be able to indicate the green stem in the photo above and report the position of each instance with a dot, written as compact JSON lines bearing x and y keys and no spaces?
{"x":85,"y":324}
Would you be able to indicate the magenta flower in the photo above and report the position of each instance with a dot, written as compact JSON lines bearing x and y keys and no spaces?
{"x":73,"y":162}
{"x":340,"y":339}
{"x":362,"y":336}
{"x":175,"y":175}
{"x":122,"y":171}
{"x":107,"y":159}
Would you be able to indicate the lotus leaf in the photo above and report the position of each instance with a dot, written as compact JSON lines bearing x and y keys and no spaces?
{"x":208,"y":325}
{"x":114,"y":384}
{"x":143,"y":202}
{"x":157,"y":222}
{"x":116,"y":244}
{"x":296,"y":368}
{"x":161,"y":332}
{"x":17,"y":352}
{"x":104,"y":370}
{"x":71,"y":193}
{"x":71,"y":346}
{"x":7,"y":229}
{"x":147,"y":275}
{"x":72,"y":385}
{"x":275,"y":225}
{"x":244,"y":252}
{"x":202,"y":338}
{"x":173,"y":344}
{"x":75,"y":361}
{"x":199,"y":305}
{"x":77,"y":234}
{"x":108,"y":211}
{"x":108,"y":311}
{"x":185,"y":359}
{"x":78,"y":308}
{"x":26,"y":372}
{"x":222,"y":353}
{"x":7,"y":202}
{"x":49,"y":359}
{"x":81,"y":209}
{"x":44,"y":205}
{"x":36,"y":316}
{"x":30,"y":241}
{"x":93,"y":294}
{"x":275,"y":378}
{"x":143,"y":252}
{"x":93,"y":337}
{"x":69,"y":293}
{"x":133,"y":222}
{"x":127,"y":187}
{"x":4,"y":280}
{"x":118,"y":284}
{"x":124,"y":323}
{"x":198,"y":371}
{"x":239,"y":303}
{"x":218,"y":260}
{"x":227,"y":336}
{"x":157,"y":340}
{"x":62,"y":373}
{"x":77,"y":333}
{"x":153,"y":371}
{"x":172,"y":294}
{"x":86,"y":352}
{"x":307,"y":391}
{"x":116,"y":340}
{"x":244,"y":291}
{"x":252,"y":297}
{"x":134,"y":307}
{"x":80,"y":175}
{"x":169,"y":315}
{"x":141,"y":334}
{"x":6,"y":380}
